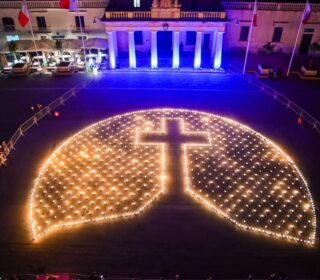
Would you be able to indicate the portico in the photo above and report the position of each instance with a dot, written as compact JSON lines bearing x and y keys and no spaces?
{"x":166,"y":17}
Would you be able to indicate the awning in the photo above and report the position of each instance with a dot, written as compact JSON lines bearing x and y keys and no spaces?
{"x":96,"y":43}
{"x":42,"y":45}
{"x":28,"y":46}
{"x":71,"y":44}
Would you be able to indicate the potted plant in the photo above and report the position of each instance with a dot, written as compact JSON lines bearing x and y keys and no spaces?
{"x":310,"y":69}
{"x":315,"y":47}
{"x":268,"y":48}
{"x":59,"y":47}
{"x":13,"y":46}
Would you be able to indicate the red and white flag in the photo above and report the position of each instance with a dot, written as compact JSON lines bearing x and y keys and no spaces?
{"x":71,"y":5}
{"x":255,"y":17}
{"x":307,"y":13}
{"x":64,"y":4}
{"x":23,"y":15}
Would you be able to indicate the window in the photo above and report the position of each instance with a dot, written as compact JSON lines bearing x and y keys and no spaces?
{"x":12,"y":38}
{"x":8,"y":24}
{"x":138,"y":37}
{"x":136,"y":3}
{"x":41,"y":22}
{"x":79,"y":20}
{"x":310,"y":30}
{"x":191,"y":38}
{"x":277,"y":33}
{"x":244,"y":33}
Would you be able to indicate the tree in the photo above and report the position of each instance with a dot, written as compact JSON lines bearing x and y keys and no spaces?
{"x":13,"y":46}
{"x":314,"y":48}
{"x":268,"y":48}
{"x":59,"y":47}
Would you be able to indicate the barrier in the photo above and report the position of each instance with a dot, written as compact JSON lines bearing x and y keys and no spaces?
{"x":311,"y":120}
{"x":34,"y":120}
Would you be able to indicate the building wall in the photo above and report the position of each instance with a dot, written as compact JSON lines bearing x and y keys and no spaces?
{"x":270,"y":15}
{"x":267,"y":21}
{"x":58,"y":21}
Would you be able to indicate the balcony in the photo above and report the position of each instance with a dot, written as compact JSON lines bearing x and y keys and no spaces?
{"x":8,"y":28}
{"x":37,"y":29}
{"x":77,"y":29}
{"x":34,"y":4}
{"x":235,"y":5}
{"x":213,"y":16}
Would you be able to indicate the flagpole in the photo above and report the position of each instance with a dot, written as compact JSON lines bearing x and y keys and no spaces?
{"x":81,"y":30}
{"x":31,"y":30}
{"x":249,"y":39}
{"x":297,"y":38}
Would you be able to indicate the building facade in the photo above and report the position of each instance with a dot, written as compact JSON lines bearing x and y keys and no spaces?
{"x":165,"y":28}
{"x":200,"y":29}
{"x":50,"y":22}
{"x":277,"y":23}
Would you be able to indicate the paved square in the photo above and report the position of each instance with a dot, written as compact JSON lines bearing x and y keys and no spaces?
{"x":178,"y":231}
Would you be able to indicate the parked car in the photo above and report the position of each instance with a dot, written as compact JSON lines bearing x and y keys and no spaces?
{"x":52,"y":66}
{"x":20,"y":69}
{"x":37,"y":64}
{"x":65,"y":68}
{"x":7,"y":69}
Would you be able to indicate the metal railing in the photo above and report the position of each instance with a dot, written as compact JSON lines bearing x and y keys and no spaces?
{"x":29,"y":123}
{"x":311,"y":120}
{"x":8,"y":28}
{"x":148,"y":15}
{"x":33,"y":4}
{"x":236,"y":5}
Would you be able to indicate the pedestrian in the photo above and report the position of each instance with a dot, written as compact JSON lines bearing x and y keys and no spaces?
{"x":210,"y":277}
{"x":273,"y":276}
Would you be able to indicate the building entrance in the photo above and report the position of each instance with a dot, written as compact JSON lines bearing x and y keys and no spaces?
{"x":164,"y":44}
{"x":305,"y":43}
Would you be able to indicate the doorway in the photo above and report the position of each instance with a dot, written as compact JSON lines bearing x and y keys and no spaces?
{"x":305,"y":43}
{"x":206,"y":42}
{"x":164,"y":44}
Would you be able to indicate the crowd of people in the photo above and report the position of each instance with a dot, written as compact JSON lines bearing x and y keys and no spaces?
{"x":3,"y":153}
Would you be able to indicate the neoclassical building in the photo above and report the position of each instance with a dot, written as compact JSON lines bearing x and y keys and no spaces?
{"x":166,"y":27}
{"x":203,"y":28}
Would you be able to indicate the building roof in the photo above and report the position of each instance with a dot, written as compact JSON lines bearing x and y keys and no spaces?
{"x":186,"y":5}
{"x":276,"y":1}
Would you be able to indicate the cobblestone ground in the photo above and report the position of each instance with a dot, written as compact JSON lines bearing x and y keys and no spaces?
{"x":179,"y":237}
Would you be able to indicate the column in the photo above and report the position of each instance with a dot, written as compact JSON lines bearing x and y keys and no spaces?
{"x":154,"y":50}
{"x":132,"y":51}
{"x":197,"y":53}
{"x":218,"y":53}
{"x":115,"y":44}
{"x":213,"y":46}
{"x":176,"y":46}
{"x":112,"y":54}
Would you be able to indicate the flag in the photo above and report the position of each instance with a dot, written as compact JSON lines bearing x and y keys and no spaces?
{"x":255,"y":18}
{"x":64,"y":4}
{"x":307,"y":13}
{"x":23,"y":15}
{"x":73,"y":6}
